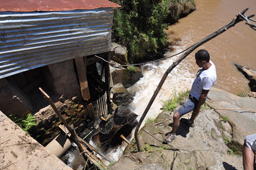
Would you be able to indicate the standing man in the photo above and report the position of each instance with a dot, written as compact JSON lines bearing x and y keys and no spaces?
{"x":206,"y":77}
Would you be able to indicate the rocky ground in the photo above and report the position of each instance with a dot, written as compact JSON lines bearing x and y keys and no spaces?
{"x":215,"y":142}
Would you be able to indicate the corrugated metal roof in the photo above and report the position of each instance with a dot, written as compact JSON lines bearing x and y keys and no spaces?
{"x":53,"y":5}
{"x":30,"y":40}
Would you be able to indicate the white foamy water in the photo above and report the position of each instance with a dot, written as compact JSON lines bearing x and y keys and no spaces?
{"x":179,"y":80}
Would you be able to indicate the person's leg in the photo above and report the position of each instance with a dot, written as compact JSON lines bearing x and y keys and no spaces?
{"x":176,"y":121}
{"x":249,"y":152}
{"x":185,"y":108}
{"x":248,"y":158}
{"x":193,"y":116}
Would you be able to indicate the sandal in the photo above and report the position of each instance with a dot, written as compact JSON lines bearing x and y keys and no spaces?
{"x":169,"y":138}
{"x":187,"y":122}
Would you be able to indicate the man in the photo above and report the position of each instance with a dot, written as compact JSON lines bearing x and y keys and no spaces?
{"x":206,"y":77}
{"x":249,"y":152}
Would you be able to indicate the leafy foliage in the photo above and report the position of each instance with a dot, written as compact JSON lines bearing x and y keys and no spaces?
{"x":139,"y":25}
{"x":132,"y":69}
{"x":24,"y":123}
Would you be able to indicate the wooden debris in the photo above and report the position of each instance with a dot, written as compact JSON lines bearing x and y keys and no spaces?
{"x":83,"y":150}
{"x":124,"y":138}
{"x":81,"y":71}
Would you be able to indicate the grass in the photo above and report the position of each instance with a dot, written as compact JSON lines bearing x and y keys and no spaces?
{"x":223,"y":118}
{"x":171,"y":104}
{"x":243,"y":94}
{"x":150,"y":120}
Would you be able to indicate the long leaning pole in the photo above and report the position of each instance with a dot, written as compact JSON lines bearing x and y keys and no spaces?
{"x":240,"y":17}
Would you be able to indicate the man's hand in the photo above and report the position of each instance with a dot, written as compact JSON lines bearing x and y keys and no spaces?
{"x":199,"y":104}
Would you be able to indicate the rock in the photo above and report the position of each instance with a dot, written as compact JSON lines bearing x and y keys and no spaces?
{"x":120,"y":95}
{"x":252,"y":94}
{"x":250,"y":74}
{"x":119,"y":53}
{"x":235,"y":109}
{"x":126,"y":76}
{"x":252,"y":83}
{"x":153,"y":166}
{"x":226,"y":127}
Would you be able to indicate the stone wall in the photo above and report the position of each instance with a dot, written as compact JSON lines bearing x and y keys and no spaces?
{"x":19,"y":94}
{"x":13,"y":100}
{"x":61,"y":77}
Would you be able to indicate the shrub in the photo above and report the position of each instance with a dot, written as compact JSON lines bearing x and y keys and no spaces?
{"x":139,"y":25}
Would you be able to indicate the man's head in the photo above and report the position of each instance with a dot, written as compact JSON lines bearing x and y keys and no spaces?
{"x":202,"y":57}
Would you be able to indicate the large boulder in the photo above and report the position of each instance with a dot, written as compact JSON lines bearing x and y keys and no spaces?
{"x":118,"y":53}
{"x":239,"y":111}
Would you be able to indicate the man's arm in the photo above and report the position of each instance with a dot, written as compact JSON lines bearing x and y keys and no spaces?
{"x":199,"y":104}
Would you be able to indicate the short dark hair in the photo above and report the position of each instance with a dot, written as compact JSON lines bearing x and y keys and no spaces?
{"x":203,"y":55}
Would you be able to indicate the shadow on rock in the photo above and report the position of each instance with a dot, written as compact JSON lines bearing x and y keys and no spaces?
{"x":182,"y":130}
{"x":228,"y":167}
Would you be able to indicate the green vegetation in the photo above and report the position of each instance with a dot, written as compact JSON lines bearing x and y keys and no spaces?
{"x":131,"y":69}
{"x":24,"y":123}
{"x":223,"y":118}
{"x":149,"y":120}
{"x":139,"y":25}
{"x":234,"y":148}
{"x":171,"y":104}
{"x":243,"y":94}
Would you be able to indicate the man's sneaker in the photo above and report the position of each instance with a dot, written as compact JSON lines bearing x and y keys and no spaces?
{"x":169,"y":138}
{"x":187,"y":122}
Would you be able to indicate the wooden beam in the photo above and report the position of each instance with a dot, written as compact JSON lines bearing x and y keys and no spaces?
{"x":107,"y":77}
{"x":81,"y":71}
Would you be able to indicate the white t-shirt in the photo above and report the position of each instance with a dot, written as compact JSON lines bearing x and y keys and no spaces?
{"x":204,"y":80}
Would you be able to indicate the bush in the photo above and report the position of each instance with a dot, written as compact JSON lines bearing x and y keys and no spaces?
{"x":139,"y":25}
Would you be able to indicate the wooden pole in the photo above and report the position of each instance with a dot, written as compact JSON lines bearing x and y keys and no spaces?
{"x":81,"y":72}
{"x":107,"y":78}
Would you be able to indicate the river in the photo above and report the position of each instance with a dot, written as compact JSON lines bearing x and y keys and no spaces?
{"x":236,"y":44}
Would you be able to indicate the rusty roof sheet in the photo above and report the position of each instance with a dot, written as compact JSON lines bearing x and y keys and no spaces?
{"x":53,"y":5}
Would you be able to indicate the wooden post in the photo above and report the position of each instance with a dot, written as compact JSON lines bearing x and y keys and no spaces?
{"x":81,"y":71}
{"x":107,"y":78}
